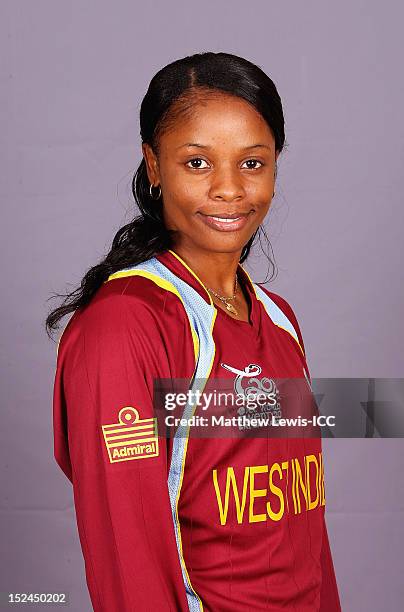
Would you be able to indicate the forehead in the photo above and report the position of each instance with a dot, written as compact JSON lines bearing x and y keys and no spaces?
{"x":216,"y":119}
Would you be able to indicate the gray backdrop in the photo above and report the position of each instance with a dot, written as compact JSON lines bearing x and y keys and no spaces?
{"x":73,"y":75}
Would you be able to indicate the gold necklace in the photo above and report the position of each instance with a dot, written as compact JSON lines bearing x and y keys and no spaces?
{"x":226,"y":300}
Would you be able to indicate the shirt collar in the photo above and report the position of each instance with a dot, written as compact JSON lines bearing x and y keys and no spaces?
{"x":178,"y":266}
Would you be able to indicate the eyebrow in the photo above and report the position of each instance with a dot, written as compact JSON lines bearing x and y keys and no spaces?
{"x":201,"y":146}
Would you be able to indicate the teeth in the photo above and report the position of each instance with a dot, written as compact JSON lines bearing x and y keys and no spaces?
{"x":225,"y":220}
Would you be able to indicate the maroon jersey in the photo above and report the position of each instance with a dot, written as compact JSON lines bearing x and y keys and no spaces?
{"x":192,"y":523}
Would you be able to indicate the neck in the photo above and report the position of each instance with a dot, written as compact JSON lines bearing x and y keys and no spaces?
{"x":216,"y":270}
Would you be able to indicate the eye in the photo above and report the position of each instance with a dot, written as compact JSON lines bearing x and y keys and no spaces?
{"x":255,"y":161}
{"x":195,"y":159}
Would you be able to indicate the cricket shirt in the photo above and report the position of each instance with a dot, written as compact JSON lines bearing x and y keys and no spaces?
{"x":217,"y":523}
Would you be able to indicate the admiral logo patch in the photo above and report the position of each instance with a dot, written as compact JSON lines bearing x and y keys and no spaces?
{"x":131,"y":437}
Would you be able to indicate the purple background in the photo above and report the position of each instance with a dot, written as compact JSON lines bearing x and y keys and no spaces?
{"x":73,"y":75}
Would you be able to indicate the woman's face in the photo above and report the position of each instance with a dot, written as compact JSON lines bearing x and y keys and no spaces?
{"x":219,"y":162}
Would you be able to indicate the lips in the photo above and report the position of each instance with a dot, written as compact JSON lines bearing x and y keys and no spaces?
{"x":225,"y":215}
{"x":226,"y":222}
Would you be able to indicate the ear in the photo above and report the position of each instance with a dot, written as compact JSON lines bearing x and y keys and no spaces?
{"x":276,"y":158}
{"x":151,"y":164}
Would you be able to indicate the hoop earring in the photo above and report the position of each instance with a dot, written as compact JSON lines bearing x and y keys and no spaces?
{"x":151,"y":192}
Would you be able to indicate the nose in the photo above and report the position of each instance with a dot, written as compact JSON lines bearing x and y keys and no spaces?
{"x":226,"y":185}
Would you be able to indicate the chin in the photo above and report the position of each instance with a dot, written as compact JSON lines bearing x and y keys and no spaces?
{"x":224,"y":244}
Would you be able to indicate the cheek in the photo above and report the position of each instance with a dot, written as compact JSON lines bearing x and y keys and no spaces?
{"x":262,"y":201}
{"x":180,"y":188}
{"x":260,"y":188}
{"x":261,"y":214}
{"x":179,"y":201}
{"x":260,"y":195}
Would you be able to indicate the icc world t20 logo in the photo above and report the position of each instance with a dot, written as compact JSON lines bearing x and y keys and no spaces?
{"x":248,"y":384}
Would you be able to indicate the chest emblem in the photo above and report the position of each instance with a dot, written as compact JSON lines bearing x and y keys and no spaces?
{"x":248,"y":383}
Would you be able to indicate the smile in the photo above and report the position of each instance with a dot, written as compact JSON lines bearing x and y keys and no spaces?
{"x":230,"y":223}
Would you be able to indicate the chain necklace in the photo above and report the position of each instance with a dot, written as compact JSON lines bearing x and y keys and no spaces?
{"x":226,"y":300}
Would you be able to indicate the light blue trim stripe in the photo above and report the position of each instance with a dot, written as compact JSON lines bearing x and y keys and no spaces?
{"x":275,"y":313}
{"x":280,"y":319}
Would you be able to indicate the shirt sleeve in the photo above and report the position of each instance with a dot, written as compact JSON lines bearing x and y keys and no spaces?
{"x":329,"y":598}
{"x":106,"y":445}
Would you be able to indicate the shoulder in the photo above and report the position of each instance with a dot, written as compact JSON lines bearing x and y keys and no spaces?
{"x":287,"y":311}
{"x":130,"y":307}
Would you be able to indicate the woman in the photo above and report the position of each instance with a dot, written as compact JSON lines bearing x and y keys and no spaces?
{"x":186,"y":522}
